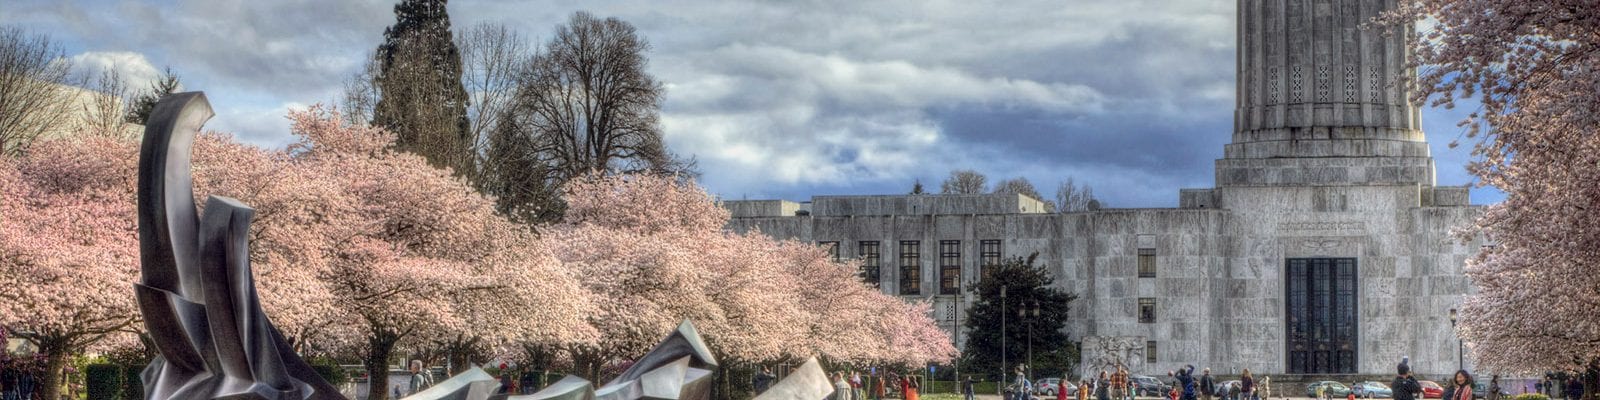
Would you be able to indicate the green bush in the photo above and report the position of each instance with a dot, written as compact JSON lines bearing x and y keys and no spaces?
{"x":103,"y":381}
{"x":332,"y":373}
{"x":1530,"y":396}
{"x":132,"y":384}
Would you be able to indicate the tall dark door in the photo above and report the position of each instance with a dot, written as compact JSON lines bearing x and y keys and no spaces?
{"x":1321,"y":315}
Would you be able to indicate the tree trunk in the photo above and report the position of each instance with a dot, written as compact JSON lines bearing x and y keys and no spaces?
{"x":56,"y":358}
{"x":379,"y":346}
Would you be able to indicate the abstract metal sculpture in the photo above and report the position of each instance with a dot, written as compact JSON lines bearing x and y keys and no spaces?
{"x":679,"y":368}
{"x":806,"y":383}
{"x":472,"y":384}
{"x":196,"y":293}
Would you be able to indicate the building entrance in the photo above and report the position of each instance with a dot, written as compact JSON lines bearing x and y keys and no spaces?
{"x":1321,"y":315}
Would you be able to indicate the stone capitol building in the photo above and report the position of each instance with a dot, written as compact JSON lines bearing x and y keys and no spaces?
{"x":1323,"y":249}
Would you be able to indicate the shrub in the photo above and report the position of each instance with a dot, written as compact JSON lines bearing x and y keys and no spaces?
{"x":104,"y":381}
{"x":1530,"y":396}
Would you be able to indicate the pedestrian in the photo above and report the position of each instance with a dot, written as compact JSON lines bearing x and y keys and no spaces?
{"x":1061,"y":388}
{"x":1186,"y":377}
{"x":1084,"y":387}
{"x":8,"y":381}
{"x":1266,"y":387}
{"x":762,"y":380}
{"x":878,"y":388}
{"x":966,"y":389}
{"x":1102,"y":387}
{"x":1460,"y":387}
{"x":1574,"y":388}
{"x":1404,"y":386}
{"x":857,"y":389}
{"x":1021,"y":388}
{"x":1208,"y":386}
{"x":912,"y":388}
{"x":419,"y":377}
{"x":1119,"y":383}
{"x":1247,"y":385}
{"x":1494,"y":388}
{"x":841,"y":387}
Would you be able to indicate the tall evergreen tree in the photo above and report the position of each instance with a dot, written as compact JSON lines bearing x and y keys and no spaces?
{"x":421,"y":97}
{"x":1026,"y":287}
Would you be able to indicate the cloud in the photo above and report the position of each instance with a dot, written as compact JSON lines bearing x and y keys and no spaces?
{"x":786,"y":98}
{"x":133,"y":67}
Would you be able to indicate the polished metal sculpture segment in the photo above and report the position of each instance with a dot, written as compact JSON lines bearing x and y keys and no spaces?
{"x":472,"y":384}
{"x":196,"y":292}
{"x":806,"y":383}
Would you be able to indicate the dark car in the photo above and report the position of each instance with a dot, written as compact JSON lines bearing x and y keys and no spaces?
{"x":1481,"y":390}
{"x":1370,"y":389}
{"x":1149,"y":386}
{"x":1431,"y":389}
{"x":1329,"y":389}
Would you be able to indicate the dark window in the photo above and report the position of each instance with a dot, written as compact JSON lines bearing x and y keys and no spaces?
{"x":949,"y":266}
{"x":1150,"y":352}
{"x":988,"y":256}
{"x":1147,"y":263}
{"x":832,"y":248}
{"x":869,"y":262}
{"x":1147,"y":309}
{"x":910,"y":267}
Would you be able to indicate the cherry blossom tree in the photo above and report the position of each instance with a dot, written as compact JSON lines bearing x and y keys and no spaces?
{"x":1534,"y":69}
{"x":68,"y":249}
{"x":655,"y":250}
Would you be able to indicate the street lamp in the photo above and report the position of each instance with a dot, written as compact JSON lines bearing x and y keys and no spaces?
{"x":1002,"y":338}
{"x":1461,"y":359}
{"x":1030,"y":310}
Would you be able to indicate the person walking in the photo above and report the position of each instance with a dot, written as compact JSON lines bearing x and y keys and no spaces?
{"x":1102,"y":387}
{"x":1084,"y":387}
{"x":1061,"y":388}
{"x":1266,"y":387}
{"x":1207,"y":385}
{"x":1247,"y":385}
{"x":912,"y":388}
{"x":1119,"y":383}
{"x":1574,"y":388}
{"x":858,"y":390}
{"x":419,"y":378}
{"x":841,"y":387}
{"x":1021,"y":389}
{"x":966,"y":389}
{"x":878,"y":387}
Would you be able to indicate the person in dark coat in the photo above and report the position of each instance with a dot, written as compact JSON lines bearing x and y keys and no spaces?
{"x":762,"y":380}
{"x":1574,"y":388}
{"x":1207,"y":385}
{"x":1186,"y":380}
{"x":1404,"y":386}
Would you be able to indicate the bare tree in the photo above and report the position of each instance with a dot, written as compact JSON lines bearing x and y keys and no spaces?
{"x":361,"y":93}
{"x":590,"y":104}
{"x":34,"y":88}
{"x":1072,"y":197}
{"x":105,"y":113}
{"x":964,"y":181}
{"x":1022,"y":186}
{"x":491,"y":58}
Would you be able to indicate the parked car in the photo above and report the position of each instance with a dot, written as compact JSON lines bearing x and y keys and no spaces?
{"x":1329,"y":389}
{"x":1149,"y":386}
{"x":1372,"y":389}
{"x":1431,"y":390}
{"x":1048,"y":387}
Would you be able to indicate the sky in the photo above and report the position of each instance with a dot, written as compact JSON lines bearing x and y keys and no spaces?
{"x":785,"y":99}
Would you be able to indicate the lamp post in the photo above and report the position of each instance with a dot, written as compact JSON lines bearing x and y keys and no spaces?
{"x":1002,"y":382}
{"x":1030,"y":309}
{"x":1461,"y":359}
